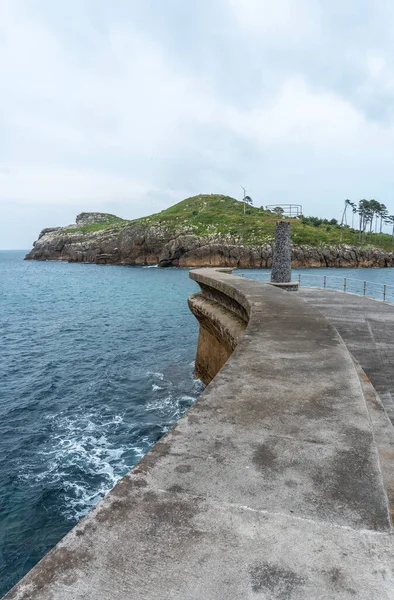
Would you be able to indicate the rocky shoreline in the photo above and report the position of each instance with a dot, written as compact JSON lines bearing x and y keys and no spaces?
{"x":135,"y":244}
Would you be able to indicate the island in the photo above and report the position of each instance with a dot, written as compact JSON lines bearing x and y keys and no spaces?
{"x":209,"y":230}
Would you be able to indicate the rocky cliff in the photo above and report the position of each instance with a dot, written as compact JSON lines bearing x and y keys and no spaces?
{"x":139,"y":243}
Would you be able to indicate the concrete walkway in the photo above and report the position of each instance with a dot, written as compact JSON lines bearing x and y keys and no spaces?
{"x":367,"y":328}
{"x":270,"y":487}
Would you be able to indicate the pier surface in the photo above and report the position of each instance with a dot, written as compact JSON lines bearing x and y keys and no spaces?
{"x":367,"y":328}
{"x":274,"y":486}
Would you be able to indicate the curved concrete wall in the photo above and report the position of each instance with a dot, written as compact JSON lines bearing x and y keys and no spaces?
{"x":270,"y":487}
{"x":223,"y":316}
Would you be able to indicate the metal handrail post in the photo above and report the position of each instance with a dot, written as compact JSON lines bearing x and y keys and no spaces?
{"x":362,"y":287}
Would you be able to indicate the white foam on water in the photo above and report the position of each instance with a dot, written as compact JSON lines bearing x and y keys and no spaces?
{"x":170,"y":408}
{"x":141,"y":450}
{"x":117,"y":419}
{"x":80,"y":455}
{"x":160,"y":403}
{"x":83,"y":457}
{"x":155,"y":374}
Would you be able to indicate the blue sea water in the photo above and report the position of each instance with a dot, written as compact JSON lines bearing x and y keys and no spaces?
{"x":96,"y":364}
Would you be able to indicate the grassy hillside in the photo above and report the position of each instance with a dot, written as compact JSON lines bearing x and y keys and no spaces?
{"x":216,"y":215}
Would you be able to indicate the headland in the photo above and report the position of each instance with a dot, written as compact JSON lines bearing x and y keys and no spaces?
{"x":207,"y":231}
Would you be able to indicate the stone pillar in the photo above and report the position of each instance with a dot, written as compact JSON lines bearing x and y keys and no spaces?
{"x":281,"y":260}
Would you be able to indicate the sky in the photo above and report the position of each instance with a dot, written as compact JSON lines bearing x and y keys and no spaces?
{"x":128,"y":106}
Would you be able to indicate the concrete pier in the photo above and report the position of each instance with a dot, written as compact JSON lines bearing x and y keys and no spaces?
{"x":367,"y":328}
{"x":273,"y":486}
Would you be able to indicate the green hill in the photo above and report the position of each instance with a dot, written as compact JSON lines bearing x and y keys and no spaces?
{"x":218,"y":215}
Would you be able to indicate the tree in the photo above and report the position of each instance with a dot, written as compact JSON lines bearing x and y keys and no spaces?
{"x":246,"y":199}
{"x":348,"y":203}
{"x":354,"y":211}
{"x":374,"y":210}
{"x":344,"y":219}
{"x":383,"y":214}
{"x":390,"y":221}
{"x":369,"y":214}
{"x":361,"y":211}
{"x":366,"y":213}
{"x":278,"y":210}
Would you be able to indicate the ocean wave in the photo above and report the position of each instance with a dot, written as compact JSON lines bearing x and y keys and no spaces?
{"x":87,"y":452}
{"x":82,"y":456}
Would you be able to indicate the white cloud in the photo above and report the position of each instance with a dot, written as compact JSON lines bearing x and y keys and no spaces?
{"x":122,"y":113}
{"x":277,"y":20}
{"x":381,"y":74}
{"x":126,"y":97}
{"x":68,"y":186}
{"x":299,"y":115}
{"x":376,"y":65}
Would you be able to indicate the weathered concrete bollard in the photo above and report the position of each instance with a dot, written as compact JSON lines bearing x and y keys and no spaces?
{"x":281,"y":261}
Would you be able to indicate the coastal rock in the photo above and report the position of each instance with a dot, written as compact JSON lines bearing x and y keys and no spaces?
{"x":87,"y":218}
{"x":49,"y":230}
{"x":141,"y":244}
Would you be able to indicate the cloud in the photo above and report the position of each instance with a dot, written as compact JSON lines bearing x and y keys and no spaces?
{"x":376,"y":65}
{"x":280,"y":21}
{"x":68,"y":186}
{"x":299,"y":115}
{"x":141,"y":105}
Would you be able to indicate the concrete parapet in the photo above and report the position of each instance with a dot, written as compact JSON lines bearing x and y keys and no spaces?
{"x":220,"y":331}
{"x":269,"y":488}
{"x":223,"y":316}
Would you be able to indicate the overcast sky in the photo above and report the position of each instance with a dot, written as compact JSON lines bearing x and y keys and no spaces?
{"x":129,"y":106}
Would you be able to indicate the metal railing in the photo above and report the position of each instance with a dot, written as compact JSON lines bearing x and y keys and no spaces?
{"x":362,"y":287}
{"x":352,"y":285}
{"x":286,"y":210}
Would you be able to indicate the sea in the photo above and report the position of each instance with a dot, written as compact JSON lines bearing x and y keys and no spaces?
{"x":96,"y":365}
